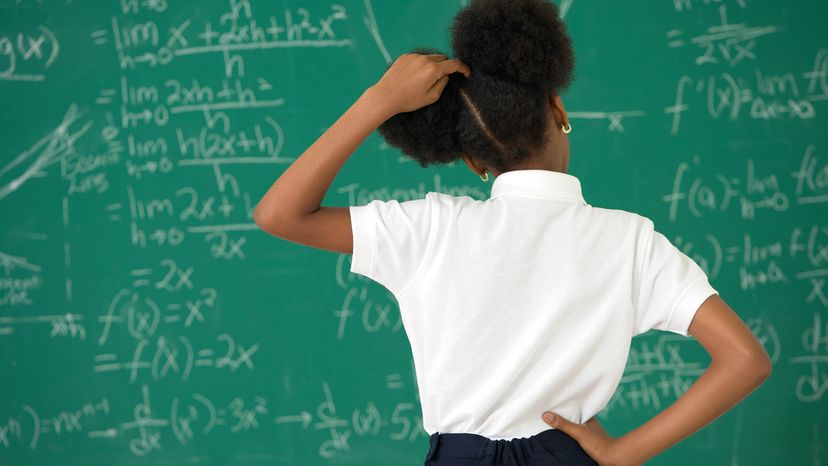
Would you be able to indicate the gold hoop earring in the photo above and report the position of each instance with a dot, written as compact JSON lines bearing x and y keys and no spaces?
{"x":486,"y":175}
{"x":567,"y":128}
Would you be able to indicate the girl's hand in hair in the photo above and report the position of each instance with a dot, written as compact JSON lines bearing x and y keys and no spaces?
{"x":592,"y":437}
{"x":415,"y":80}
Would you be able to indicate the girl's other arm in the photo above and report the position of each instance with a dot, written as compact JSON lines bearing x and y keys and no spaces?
{"x":739,"y":365}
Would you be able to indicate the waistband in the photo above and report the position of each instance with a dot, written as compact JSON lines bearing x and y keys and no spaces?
{"x":464,"y":445}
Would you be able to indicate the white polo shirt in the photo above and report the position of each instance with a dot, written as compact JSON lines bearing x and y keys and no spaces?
{"x":524,"y":302}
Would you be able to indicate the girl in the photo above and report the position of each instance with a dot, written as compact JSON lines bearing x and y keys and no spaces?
{"x":525,"y":302}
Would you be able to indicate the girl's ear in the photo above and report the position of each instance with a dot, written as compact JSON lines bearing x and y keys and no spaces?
{"x":558,"y":109}
{"x":478,"y":170}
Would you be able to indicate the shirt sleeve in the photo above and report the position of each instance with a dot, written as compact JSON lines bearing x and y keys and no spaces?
{"x":672,"y":286}
{"x":390,"y":240}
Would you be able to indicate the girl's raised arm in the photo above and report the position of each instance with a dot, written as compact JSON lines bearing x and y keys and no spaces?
{"x":291,"y":209}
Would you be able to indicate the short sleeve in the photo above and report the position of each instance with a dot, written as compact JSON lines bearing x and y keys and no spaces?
{"x":671,"y":286}
{"x":390,"y":240}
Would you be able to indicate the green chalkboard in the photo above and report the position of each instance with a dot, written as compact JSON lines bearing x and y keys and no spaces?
{"x":145,"y":319}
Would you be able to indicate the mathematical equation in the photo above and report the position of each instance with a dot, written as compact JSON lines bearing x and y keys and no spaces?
{"x":155,"y":427}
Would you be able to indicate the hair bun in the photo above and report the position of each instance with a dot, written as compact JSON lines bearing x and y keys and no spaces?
{"x":428,"y":134}
{"x":519,"y":40}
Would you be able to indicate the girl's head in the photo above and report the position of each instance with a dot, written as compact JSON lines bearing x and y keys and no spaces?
{"x":508,"y":113}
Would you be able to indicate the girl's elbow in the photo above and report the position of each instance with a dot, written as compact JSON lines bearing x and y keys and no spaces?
{"x":761,"y":366}
{"x":765,"y":367}
{"x":264,"y":221}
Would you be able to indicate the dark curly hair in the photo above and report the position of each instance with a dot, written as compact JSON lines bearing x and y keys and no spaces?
{"x":520,"y":54}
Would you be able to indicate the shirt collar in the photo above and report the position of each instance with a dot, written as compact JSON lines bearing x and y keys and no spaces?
{"x":545,"y":184}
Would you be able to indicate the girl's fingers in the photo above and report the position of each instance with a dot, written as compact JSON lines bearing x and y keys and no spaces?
{"x":454,"y":65}
{"x":450,"y":66}
{"x":439,"y":85}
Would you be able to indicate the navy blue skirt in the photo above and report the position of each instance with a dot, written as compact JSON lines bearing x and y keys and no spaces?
{"x":551,"y":447}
